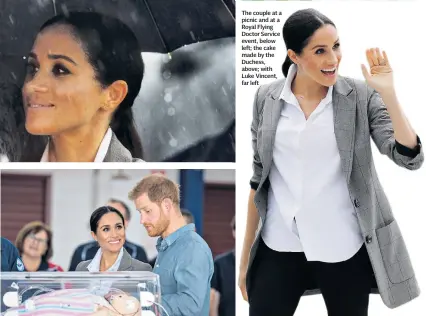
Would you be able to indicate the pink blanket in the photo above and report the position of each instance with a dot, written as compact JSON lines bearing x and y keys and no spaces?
{"x":63,"y":302}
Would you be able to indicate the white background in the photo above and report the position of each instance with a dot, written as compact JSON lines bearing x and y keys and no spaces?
{"x":398,"y":28}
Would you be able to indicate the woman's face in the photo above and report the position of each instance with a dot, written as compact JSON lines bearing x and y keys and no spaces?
{"x":35,"y":244}
{"x":320,"y":58}
{"x":60,"y":92}
{"x":110,"y":233}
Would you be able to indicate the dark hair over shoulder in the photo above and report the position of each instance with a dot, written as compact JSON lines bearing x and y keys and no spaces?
{"x":114,"y":53}
{"x":298,"y":29}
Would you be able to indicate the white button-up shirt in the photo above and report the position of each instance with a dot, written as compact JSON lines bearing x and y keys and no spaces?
{"x":100,"y":155}
{"x":102,"y":287}
{"x":95,"y":264}
{"x":309,"y":206}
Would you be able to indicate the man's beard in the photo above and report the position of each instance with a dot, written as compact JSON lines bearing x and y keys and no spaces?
{"x":160,"y":227}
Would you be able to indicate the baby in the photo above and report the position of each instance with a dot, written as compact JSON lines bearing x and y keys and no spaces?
{"x":79,"y":302}
{"x":117,"y":305}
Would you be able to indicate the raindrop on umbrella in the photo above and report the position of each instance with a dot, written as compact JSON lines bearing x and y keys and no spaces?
{"x":171,"y":111}
{"x":172,"y":142}
{"x":12,"y":21}
{"x":167,"y":74}
{"x":168,"y":97}
{"x":165,"y":59}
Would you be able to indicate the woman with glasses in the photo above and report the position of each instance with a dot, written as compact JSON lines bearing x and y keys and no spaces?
{"x":34,"y":243}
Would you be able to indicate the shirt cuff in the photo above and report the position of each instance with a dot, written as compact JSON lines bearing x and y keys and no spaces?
{"x":408,"y":152}
{"x":254,"y":185}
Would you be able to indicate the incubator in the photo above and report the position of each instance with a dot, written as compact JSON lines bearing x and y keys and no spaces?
{"x":81,"y":293}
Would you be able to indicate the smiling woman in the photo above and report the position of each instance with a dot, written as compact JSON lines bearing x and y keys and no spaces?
{"x":83,"y":75}
{"x":108,"y":229}
{"x":326,"y":225}
{"x":34,"y":243}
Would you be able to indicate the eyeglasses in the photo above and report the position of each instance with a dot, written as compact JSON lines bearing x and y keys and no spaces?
{"x":39,"y":240}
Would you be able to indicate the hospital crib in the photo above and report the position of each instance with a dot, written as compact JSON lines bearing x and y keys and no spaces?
{"x":81,"y":293}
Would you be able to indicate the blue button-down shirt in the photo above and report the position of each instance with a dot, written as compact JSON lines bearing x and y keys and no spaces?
{"x":185,"y":267}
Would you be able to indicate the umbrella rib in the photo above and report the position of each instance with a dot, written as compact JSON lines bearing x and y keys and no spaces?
{"x":156,"y":26}
{"x":54,"y":6}
{"x":227,"y":8}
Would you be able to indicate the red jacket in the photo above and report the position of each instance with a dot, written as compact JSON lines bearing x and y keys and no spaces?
{"x":54,"y":267}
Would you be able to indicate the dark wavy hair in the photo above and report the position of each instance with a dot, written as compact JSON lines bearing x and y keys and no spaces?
{"x":114,"y":53}
{"x":34,"y":228}
{"x":298,"y":29}
{"x":99,"y":213}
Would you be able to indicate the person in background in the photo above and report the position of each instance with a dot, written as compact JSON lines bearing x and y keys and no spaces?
{"x":108,"y":230}
{"x":189,"y":219}
{"x":185,"y":262}
{"x":87,"y":251}
{"x":34,"y":243}
{"x":222,"y":293}
{"x":10,"y":262}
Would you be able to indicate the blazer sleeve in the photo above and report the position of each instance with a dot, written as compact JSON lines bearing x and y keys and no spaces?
{"x":256,"y":165}
{"x":382,"y":133}
{"x":140,"y":266}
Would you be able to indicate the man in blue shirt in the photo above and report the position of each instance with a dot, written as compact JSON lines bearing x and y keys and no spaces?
{"x":184,"y":262}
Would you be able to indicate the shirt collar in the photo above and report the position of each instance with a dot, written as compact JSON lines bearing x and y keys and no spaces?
{"x":164,"y":243}
{"x":288,"y":96}
{"x":100,"y":155}
{"x":95,"y":264}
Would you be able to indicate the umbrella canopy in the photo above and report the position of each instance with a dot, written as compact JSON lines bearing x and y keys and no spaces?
{"x":160,"y":25}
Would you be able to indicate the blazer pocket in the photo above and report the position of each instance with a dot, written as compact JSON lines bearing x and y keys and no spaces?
{"x":394,"y":253}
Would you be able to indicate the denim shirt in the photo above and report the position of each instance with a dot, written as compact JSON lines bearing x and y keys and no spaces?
{"x":185,"y":267}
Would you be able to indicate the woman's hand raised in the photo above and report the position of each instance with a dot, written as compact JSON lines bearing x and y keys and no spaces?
{"x":380,"y":76}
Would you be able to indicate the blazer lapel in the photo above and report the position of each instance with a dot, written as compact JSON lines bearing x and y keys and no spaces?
{"x":344,"y":108}
{"x":117,"y":152}
{"x":126,"y":262}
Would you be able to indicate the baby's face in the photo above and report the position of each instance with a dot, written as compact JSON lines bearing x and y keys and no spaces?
{"x":124,"y":304}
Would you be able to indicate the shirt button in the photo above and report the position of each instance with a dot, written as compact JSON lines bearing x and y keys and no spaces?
{"x":368,"y":239}
{"x":356,"y":203}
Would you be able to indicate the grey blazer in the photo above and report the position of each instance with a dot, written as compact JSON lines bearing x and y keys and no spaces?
{"x":127,"y":264}
{"x":118,"y":153}
{"x":359,"y":113}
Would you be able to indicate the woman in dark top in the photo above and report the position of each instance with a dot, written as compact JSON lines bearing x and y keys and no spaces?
{"x":34,"y":243}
